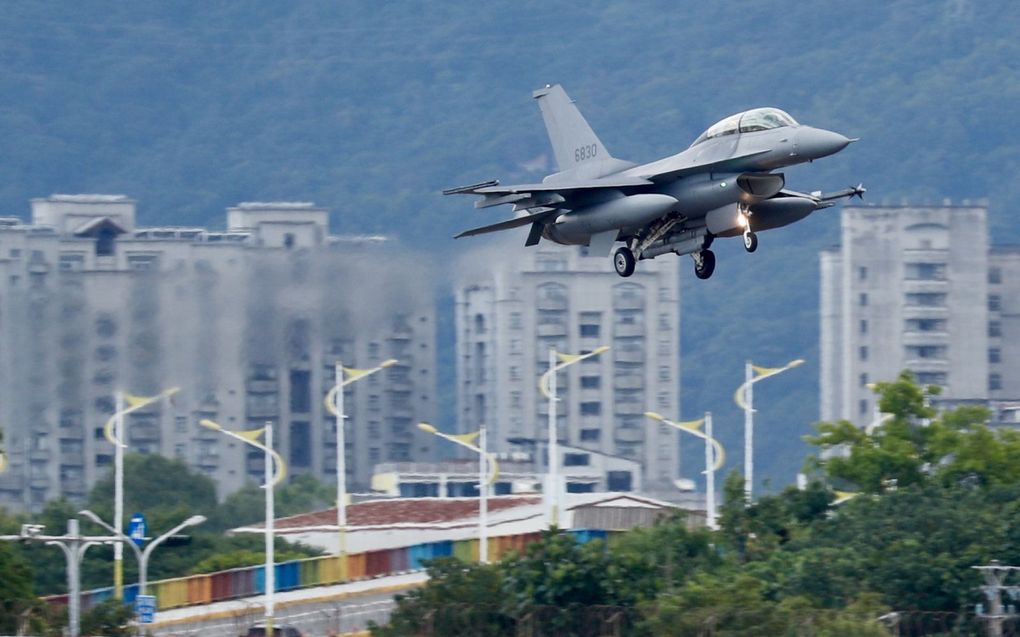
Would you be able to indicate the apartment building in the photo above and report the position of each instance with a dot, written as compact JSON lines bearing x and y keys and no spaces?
{"x":248,"y":322}
{"x":514,"y":305}
{"x":917,"y":287}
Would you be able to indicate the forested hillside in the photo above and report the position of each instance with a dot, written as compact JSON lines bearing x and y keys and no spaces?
{"x":371,"y":108}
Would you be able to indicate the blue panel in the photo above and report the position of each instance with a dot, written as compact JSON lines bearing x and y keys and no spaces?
{"x":260,"y":579}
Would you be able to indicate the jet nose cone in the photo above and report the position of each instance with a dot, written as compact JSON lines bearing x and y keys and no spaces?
{"x":813,"y":143}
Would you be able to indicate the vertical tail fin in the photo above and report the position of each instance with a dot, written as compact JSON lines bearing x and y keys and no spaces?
{"x":573,"y":141}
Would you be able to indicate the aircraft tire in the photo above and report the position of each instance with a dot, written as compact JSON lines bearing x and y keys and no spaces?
{"x":707,"y":265}
{"x":750,"y":241}
{"x":623,"y":261}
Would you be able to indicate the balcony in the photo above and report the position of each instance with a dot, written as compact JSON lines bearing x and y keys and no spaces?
{"x":262,"y":386}
{"x":629,"y":330}
{"x":552,"y":303}
{"x":633,"y":355}
{"x":629,"y":434}
{"x":629,"y":382}
{"x":552,"y":329}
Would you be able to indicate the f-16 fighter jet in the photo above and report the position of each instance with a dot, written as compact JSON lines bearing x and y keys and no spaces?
{"x":722,"y":186}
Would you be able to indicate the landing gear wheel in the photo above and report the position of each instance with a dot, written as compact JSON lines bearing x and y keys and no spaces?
{"x":623,"y":261}
{"x":705,"y":269}
{"x":750,"y":241}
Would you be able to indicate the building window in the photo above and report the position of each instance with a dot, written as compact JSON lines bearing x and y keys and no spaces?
{"x":143,"y":262}
{"x":994,"y":382}
{"x":926,"y":325}
{"x":664,"y":374}
{"x":515,"y":373}
{"x":925,"y":271}
{"x":926,"y":351}
{"x":862,"y":407}
{"x":994,"y":355}
{"x":515,"y":399}
{"x":994,"y":329}
{"x":862,"y":352}
{"x":862,"y":273}
{"x":994,"y":303}
{"x":515,"y":320}
{"x":926,"y":299}
{"x":864,"y":326}
{"x":72,"y":262}
{"x":590,"y":331}
{"x":591,"y":435}
{"x":932,"y":378}
{"x":863,"y":380}
{"x":862,"y":299}
{"x":576,"y":459}
{"x":618,"y":481}
{"x":591,"y":408}
{"x":591,"y":382}
{"x":994,"y":275}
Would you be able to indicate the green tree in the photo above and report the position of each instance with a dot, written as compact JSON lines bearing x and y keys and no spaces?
{"x":458,"y":600}
{"x":16,"y":596}
{"x":111,"y":618}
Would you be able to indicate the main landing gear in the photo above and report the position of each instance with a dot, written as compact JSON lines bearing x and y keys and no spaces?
{"x":623,"y":261}
{"x":704,"y":263}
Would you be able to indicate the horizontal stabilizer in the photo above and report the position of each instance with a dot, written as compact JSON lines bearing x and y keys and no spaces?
{"x":470,"y":190}
{"x":517,"y":222}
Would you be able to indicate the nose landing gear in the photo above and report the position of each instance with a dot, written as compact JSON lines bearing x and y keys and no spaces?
{"x":750,"y":238}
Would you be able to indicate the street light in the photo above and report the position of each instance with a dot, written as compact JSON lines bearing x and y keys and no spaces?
{"x":744,"y":397}
{"x":335,"y":405}
{"x":142,"y":555}
{"x":275,"y":470}
{"x":73,"y":545}
{"x":114,"y":431}
{"x":715,"y":456}
{"x":485,"y":461}
{"x":547,"y":385}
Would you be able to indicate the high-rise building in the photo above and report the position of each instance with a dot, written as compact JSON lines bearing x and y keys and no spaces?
{"x":248,"y":322}
{"x":916,"y":287}
{"x":512,"y":307}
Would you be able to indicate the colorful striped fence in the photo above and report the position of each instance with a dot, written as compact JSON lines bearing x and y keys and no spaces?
{"x":315,"y":571}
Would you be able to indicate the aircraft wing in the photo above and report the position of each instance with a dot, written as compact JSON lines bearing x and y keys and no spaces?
{"x":516,"y":222}
{"x":544,"y":194}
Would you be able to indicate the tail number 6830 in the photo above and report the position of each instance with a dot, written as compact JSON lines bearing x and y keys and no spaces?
{"x":582,"y":153}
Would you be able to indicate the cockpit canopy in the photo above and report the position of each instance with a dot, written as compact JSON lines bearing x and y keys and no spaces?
{"x":756,"y":119}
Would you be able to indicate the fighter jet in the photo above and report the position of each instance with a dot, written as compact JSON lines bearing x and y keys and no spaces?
{"x":723,"y":185}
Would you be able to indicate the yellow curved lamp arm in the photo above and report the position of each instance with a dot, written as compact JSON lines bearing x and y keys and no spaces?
{"x":134,"y":404}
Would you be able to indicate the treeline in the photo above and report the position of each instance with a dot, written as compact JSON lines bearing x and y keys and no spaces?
{"x":893,"y":521}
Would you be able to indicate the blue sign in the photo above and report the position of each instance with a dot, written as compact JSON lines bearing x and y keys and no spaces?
{"x":145,"y":608}
{"x":138,"y":529}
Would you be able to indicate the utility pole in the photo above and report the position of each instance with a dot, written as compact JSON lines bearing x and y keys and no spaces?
{"x":994,"y":574}
{"x":74,"y":545}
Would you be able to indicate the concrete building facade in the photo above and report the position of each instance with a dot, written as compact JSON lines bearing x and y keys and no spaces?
{"x":510,"y":310}
{"x":917,"y":288}
{"x":249,"y":322}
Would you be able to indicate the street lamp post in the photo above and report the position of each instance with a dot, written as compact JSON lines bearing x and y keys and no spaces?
{"x":335,"y":405}
{"x":73,"y":545}
{"x":715,"y":456}
{"x":488,"y":470}
{"x":114,"y":431}
{"x":142,"y":555}
{"x":744,"y":397}
{"x":272,"y":478}
{"x":547,"y":385}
